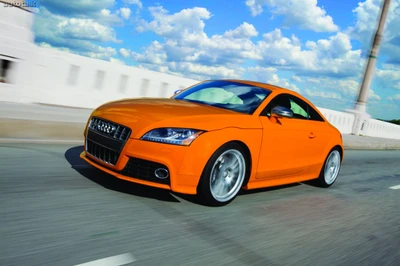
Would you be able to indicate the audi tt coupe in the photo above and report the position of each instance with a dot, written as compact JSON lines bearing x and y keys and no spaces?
{"x":215,"y":138}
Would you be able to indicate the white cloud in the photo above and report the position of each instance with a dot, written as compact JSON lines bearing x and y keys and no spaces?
{"x":388,"y":77}
{"x":194,"y":70}
{"x":206,"y":71}
{"x":394,"y":98}
{"x":124,"y":52}
{"x":185,"y":41}
{"x":84,"y":29}
{"x":76,"y":8}
{"x":373,"y":96}
{"x":313,"y":80}
{"x":344,"y":89}
{"x":305,"y":14}
{"x":296,"y":78}
{"x":347,"y":88}
{"x":269,"y":75}
{"x":48,"y":46}
{"x":187,"y":46}
{"x":284,"y":83}
{"x":367,"y":16}
{"x":245,"y":30}
{"x":326,"y":57}
{"x":105,"y":12}
{"x":187,"y":22}
{"x":77,"y":33}
{"x":105,"y":16}
{"x":153,"y":54}
{"x":134,"y":2}
{"x":322,"y":94}
{"x":97,"y":10}
{"x":100,"y":52}
{"x":125,"y":12}
{"x":388,"y":74}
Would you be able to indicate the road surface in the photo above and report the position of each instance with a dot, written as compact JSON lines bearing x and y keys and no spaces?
{"x":57,"y":210}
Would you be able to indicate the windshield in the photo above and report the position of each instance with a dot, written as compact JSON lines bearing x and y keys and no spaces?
{"x":229,"y":95}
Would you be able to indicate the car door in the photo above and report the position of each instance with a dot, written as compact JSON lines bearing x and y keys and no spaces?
{"x":284,"y":144}
{"x":319,"y":135}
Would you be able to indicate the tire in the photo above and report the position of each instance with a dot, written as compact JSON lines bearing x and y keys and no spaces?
{"x":221,"y":181}
{"x":331,"y":168}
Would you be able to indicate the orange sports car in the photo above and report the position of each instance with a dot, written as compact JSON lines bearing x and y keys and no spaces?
{"x":215,"y":138}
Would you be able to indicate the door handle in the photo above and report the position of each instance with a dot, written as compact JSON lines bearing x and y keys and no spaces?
{"x":311,"y":135}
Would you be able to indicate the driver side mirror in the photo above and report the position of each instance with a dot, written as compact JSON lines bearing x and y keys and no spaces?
{"x":281,"y":111}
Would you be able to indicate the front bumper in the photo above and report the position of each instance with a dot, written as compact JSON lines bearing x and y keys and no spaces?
{"x":121,"y":174}
{"x":136,"y":161}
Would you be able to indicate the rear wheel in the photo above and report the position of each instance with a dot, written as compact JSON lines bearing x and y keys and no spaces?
{"x":223,"y":175}
{"x":331,"y":169}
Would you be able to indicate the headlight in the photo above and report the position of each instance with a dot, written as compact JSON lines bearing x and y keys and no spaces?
{"x":178,"y":136}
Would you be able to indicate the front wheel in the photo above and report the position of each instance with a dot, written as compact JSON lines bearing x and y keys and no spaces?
{"x":330,"y":169}
{"x":223,"y":175}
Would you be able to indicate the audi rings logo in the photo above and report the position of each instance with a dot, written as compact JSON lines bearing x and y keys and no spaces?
{"x":103,"y":126}
{"x":106,"y":127}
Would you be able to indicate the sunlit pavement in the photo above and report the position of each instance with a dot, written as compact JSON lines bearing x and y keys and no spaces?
{"x":57,"y":210}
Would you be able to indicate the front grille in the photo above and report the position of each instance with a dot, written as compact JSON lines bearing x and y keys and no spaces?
{"x":102,"y":153}
{"x":109,"y":129}
{"x":143,"y":169}
{"x":105,"y":140}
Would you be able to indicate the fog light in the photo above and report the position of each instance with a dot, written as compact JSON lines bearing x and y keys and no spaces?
{"x":161,"y":173}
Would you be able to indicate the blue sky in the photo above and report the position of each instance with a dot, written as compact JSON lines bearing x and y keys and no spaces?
{"x":318,"y":48}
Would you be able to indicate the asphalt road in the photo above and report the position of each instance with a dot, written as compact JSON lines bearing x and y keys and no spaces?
{"x":56,"y":210}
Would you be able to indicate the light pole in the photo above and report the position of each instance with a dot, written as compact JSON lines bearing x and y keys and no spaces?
{"x":361,"y":104}
{"x":369,"y":71}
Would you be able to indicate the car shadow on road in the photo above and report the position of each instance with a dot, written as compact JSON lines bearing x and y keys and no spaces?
{"x":110,"y":182}
{"x":113,"y":183}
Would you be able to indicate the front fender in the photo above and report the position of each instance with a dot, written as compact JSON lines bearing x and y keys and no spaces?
{"x":206,"y":144}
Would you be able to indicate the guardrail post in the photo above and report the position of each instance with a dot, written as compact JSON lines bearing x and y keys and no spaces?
{"x":361,"y":122}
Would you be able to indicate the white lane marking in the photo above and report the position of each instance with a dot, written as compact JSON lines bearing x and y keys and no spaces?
{"x":111,"y":261}
{"x":395,"y":187}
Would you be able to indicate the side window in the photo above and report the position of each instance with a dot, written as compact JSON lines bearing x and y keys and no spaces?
{"x":314,"y":115}
{"x":280,"y":100}
{"x":301,"y":110}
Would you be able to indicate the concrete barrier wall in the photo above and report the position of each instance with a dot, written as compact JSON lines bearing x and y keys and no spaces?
{"x":341,"y":120}
{"x":18,"y":49}
{"x":42,"y":75}
{"x":377,"y":128}
{"x":73,"y":80}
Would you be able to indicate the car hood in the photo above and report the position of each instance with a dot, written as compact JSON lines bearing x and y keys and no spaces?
{"x":144,"y":114}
